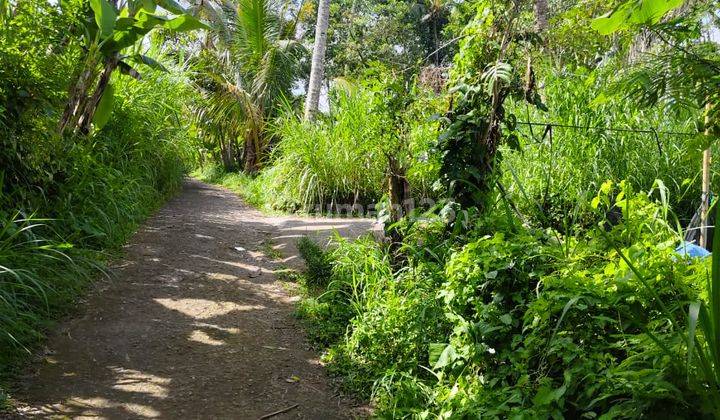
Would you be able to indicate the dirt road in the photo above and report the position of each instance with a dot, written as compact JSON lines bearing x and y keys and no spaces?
{"x":194,"y":322}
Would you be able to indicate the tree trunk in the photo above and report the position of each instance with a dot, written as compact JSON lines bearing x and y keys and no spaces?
{"x":86,"y":118}
{"x":226,"y":154}
{"x":77,"y":94}
{"x":318,"y":60}
{"x":250,"y":154}
{"x":398,"y":190}
{"x":541,"y":15}
{"x":400,"y":206}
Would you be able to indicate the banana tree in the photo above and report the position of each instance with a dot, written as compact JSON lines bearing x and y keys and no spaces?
{"x":111,"y":29}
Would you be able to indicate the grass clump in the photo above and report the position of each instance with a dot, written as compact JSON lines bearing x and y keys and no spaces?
{"x":336,"y":161}
{"x":246,"y":186}
{"x":318,"y":270}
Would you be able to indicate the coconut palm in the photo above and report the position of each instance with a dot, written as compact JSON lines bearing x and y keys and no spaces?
{"x":318,"y":59}
{"x":247,"y":70}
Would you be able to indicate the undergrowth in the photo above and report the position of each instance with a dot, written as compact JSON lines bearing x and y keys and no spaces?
{"x":509,"y":320}
{"x":318,"y":264}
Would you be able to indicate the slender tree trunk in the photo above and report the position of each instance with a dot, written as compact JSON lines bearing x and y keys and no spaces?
{"x":111,"y":64}
{"x":318,"y":60}
{"x":250,"y":164}
{"x":400,"y":206}
{"x":80,"y":107}
{"x":77,"y":94}
{"x":541,"y":15}
{"x":225,"y":156}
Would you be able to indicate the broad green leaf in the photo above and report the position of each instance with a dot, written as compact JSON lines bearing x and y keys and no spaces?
{"x":447,"y":356}
{"x":434,"y":352}
{"x":547,"y":395}
{"x":610,"y":22}
{"x":606,"y":187}
{"x":104,"y":109}
{"x":123,"y":23}
{"x":651,"y":11}
{"x":185,"y":23}
{"x":147,"y":21}
{"x":124,"y":39}
{"x":105,"y":16}
{"x":633,"y":13}
{"x":544,"y":396}
{"x":149,"y":5}
{"x":171,"y":6}
{"x":142,"y":23}
{"x":148,"y":61}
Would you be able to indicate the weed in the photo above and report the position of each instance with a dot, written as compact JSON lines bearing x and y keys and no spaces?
{"x":319,"y":269}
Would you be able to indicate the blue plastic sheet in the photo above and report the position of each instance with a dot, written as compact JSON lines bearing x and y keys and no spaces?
{"x":688,"y":249}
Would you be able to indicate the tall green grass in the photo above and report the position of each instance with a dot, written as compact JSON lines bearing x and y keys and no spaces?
{"x":38,"y":274}
{"x":339,"y":160}
{"x":342,"y":159}
{"x":554,"y":170}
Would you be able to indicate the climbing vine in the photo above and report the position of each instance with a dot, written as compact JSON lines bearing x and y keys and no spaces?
{"x":497,"y":44}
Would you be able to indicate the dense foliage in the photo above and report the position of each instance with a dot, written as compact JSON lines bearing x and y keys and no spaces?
{"x":536,"y":164}
{"x":542,"y":284}
{"x":68,"y":199}
{"x":509,"y":320}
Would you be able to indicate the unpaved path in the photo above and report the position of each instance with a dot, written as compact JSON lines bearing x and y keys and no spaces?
{"x":192,"y":323}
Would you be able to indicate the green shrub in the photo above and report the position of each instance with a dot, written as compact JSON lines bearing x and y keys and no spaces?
{"x":249,"y":188}
{"x":359,"y":272}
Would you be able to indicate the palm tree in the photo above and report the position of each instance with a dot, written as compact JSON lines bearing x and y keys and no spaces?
{"x":318,"y":59}
{"x":248,"y":70}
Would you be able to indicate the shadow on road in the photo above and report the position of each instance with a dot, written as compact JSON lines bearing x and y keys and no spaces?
{"x":192,"y":324}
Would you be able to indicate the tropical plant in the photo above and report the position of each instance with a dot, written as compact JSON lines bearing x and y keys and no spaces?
{"x":317,"y":68}
{"x":108,"y":32}
{"x":245,"y":78}
{"x":475,"y":124}
{"x":67,"y":202}
{"x":683,"y":67}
